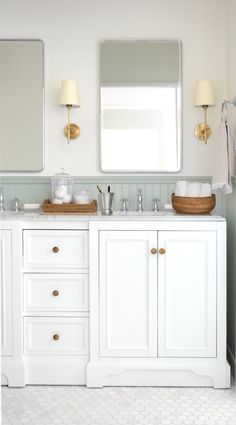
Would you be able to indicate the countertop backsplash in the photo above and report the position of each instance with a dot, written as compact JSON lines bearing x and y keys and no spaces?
{"x":35,"y":189}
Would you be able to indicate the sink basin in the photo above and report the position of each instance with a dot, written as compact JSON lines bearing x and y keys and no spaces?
{"x":143,"y":213}
{"x":20,"y":213}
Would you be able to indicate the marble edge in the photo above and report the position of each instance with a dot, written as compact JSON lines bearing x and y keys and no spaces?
{"x":117,"y":216}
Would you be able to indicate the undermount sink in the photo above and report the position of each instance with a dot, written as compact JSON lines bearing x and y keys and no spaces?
{"x":19,"y":213}
{"x":143,"y":213}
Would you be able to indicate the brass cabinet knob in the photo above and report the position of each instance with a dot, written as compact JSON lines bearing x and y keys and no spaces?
{"x":55,"y":249}
{"x":56,"y":337}
{"x":154,"y":251}
{"x":162,"y":251}
{"x":55,"y":293}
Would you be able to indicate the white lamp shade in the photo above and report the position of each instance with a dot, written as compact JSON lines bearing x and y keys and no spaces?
{"x":204,"y":94}
{"x":69,"y":94}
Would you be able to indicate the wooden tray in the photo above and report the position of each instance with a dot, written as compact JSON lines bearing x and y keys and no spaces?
{"x":50,"y":208}
{"x":189,"y":205}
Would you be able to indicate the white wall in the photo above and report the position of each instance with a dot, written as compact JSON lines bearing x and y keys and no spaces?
{"x":231,"y":71}
{"x":72,"y":31}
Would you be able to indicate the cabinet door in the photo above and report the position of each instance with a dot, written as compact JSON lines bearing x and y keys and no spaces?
{"x":128,"y":294}
{"x":6,"y":292}
{"x":187,"y":294}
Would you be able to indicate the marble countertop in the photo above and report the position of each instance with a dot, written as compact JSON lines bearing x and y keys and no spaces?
{"x":38,"y":215}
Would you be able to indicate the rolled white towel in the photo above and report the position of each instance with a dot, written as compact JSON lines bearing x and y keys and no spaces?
{"x":61,"y":191}
{"x":194,"y":189}
{"x":205,"y":190}
{"x":67,"y":199}
{"x":57,"y":201}
{"x":181,"y":188}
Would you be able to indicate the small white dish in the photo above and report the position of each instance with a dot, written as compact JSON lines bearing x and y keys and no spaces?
{"x":82,"y":197}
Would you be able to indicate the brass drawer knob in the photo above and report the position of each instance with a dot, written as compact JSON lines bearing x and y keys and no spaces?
{"x":55,"y":293}
{"x":55,"y":249}
{"x":56,"y":337}
{"x":154,"y":251}
{"x":162,"y":251}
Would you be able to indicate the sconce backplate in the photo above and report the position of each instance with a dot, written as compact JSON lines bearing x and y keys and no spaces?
{"x":74,"y":131}
{"x":202,"y":132}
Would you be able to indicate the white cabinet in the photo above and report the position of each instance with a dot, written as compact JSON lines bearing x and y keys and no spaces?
{"x":128,"y":294}
{"x":55,"y":249}
{"x":158,"y":303}
{"x":187,"y":294}
{"x":114,"y":301}
{"x":56,"y":292}
{"x":55,"y":305}
{"x":186,"y":288}
{"x":56,"y":336}
{"x":6,"y":292}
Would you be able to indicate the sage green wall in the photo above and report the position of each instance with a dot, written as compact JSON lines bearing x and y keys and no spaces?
{"x":230,"y":213}
{"x":36,"y":189}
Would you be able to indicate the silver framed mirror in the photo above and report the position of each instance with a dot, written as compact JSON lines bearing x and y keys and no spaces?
{"x":140,"y":106}
{"x":21,"y":105}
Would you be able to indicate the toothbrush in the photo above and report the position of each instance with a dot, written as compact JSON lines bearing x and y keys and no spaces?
{"x":98,"y":188}
{"x":108,"y":189}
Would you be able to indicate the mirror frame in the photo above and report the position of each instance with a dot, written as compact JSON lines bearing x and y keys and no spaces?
{"x":179,"y":108}
{"x":43,"y":104}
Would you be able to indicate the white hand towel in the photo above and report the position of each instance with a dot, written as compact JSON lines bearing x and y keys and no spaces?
{"x":181,"y":188}
{"x":221,"y":178}
{"x":205,"y":190}
{"x":194,"y":189}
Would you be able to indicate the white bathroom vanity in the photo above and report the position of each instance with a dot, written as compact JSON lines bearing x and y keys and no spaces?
{"x":132,"y":299}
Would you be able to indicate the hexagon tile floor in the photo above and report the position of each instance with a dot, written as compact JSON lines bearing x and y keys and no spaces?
{"x":47,"y":405}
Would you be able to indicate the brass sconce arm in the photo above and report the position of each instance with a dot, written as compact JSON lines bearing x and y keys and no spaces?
{"x":68,"y":124}
{"x":71,"y":131}
{"x":203,"y":131}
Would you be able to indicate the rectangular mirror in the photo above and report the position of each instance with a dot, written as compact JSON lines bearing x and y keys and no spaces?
{"x":21,"y":105}
{"x":140,"y":105}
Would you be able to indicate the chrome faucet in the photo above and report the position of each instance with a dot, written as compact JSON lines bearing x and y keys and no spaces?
{"x":124,"y":206}
{"x":16,"y":203}
{"x":2,"y":209}
{"x":156,"y":204}
{"x":139,"y":200}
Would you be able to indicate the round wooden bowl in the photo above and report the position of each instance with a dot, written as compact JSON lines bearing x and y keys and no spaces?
{"x":188,"y":205}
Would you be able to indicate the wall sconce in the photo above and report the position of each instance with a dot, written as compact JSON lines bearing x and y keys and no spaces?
{"x":204,"y":96}
{"x":69,"y":97}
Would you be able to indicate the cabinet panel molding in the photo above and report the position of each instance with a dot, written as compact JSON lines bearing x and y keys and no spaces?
{"x":44,"y":335}
{"x":187,"y":294}
{"x":128,"y":323}
{"x":6,"y":292}
{"x":62,"y":249}
{"x":56,"y":292}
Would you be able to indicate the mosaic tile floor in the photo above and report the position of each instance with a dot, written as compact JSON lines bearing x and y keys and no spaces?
{"x":38,"y":405}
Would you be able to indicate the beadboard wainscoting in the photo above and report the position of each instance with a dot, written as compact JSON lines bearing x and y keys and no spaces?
{"x":36,"y":189}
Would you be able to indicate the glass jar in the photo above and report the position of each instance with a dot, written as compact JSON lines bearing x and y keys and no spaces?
{"x":62,"y":188}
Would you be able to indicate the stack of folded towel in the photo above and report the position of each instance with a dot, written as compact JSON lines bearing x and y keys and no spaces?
{"x":195,"y":189}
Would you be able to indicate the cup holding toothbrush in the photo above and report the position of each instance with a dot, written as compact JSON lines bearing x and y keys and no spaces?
{"x":106,"y":200}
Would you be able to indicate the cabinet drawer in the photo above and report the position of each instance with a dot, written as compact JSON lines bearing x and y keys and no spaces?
{"x":60,"y":249}
{"x":56,"y":292}
{"x":53,"y":335}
